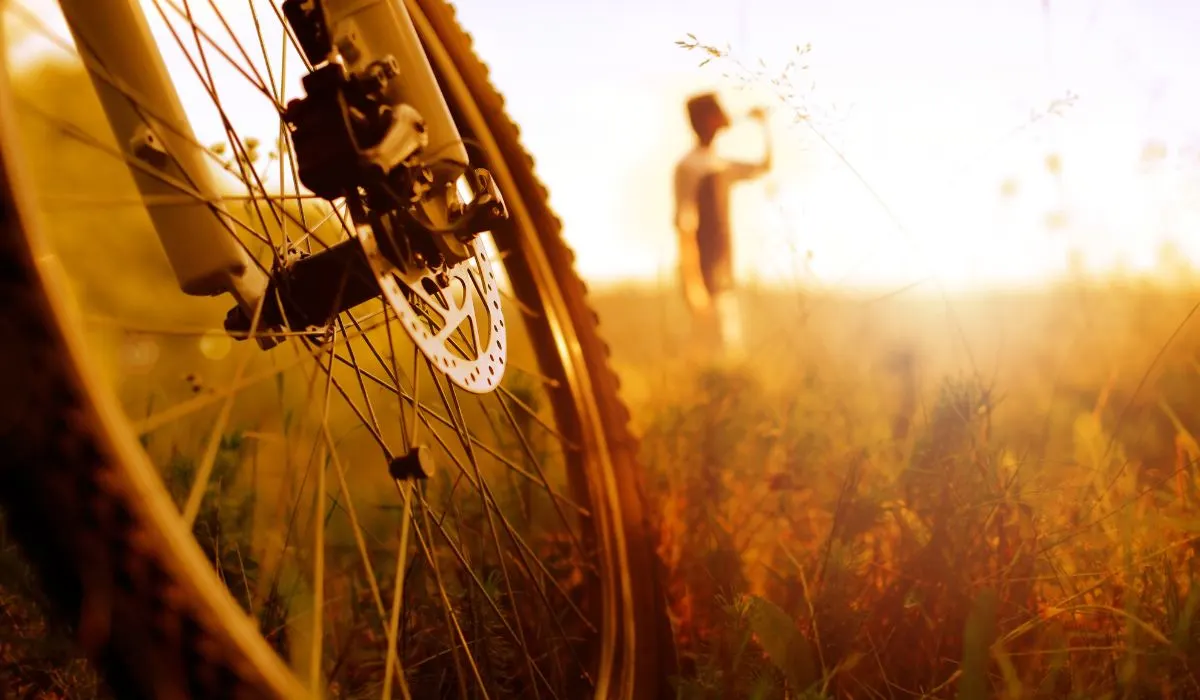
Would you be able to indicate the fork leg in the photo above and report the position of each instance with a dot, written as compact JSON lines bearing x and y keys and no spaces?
{"x":151,"y":127}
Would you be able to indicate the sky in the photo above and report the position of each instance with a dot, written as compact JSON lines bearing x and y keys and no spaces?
{"x":918,"y":113}
{"x":920,"y":98}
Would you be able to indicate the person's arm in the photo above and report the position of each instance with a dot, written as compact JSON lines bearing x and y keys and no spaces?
{"x":749,"y":171}
{"x":686,"y":222}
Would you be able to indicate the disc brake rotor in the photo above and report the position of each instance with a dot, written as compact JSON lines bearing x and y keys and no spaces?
{"x":445,"y":321}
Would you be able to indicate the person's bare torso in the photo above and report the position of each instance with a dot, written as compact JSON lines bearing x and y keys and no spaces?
{"x":703,"y":181}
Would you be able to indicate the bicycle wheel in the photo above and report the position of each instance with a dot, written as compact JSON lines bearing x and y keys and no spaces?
{"x":219,"y":520}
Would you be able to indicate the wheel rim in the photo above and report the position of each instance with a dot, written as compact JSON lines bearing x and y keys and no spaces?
{"x":562,"y":389}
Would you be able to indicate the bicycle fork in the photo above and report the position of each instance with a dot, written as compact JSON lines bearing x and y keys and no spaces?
{"x":147,"y":117}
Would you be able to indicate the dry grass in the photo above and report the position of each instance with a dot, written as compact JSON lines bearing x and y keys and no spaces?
{"x":987,"y":495}
{"x":37,"y":657}
{"x":854,"y":512}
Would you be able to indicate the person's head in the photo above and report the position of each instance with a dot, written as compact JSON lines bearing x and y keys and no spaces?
{"x":707,"y":117}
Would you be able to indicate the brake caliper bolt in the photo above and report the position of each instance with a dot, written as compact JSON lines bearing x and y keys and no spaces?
{"x":148,"y":147}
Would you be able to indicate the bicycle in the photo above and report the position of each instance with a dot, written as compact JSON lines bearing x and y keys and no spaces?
{"x":519,"y":566}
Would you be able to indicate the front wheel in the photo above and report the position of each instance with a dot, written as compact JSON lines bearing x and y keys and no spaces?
{"x":217,"y":521}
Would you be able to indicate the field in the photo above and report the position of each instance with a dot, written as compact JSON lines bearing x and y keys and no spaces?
{"x":865,"y":508}
{"x":896,"y":498}
{"x":899,"y":496}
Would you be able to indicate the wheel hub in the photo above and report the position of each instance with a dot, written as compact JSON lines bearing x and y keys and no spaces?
{"x":353,"y":141}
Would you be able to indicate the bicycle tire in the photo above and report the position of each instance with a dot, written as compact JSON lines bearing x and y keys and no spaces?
{"x":107,"y":542}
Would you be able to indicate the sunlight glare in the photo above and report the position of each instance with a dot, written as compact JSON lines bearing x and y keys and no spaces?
{"x":906,"y":189}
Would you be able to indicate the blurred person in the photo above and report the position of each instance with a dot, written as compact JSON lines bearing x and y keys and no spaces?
{"x":703,"y":181}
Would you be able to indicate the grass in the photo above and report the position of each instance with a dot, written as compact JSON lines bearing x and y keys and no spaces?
{"x":37,"y":656}
{"x":855,"y":512}
{"x":984,"y":495}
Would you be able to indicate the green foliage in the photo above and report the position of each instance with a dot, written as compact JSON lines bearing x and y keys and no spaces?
{"x":731,"y":662}
{"x":978,"y":637}
{"x":223,"y":529}
{"x":784,"y":644}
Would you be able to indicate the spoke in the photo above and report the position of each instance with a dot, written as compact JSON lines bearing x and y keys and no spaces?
{"x":397,"y":597}
{"x":335,"y":210}
{"x":282,"y":141}
{"x":515,"y":400}
{"x":362,"y":385}
{"x":255,"y":80}
{"x":186,"y":189}
{"x":409,"y":436}
{"x":166,"y":329}
{"x":467,"y":602}
{"x":318,"y":639}
{"x":204,"y":472}
{"x":207,"y":462}
{"x":157,"y":420}
{"x":491,"y":516}
{"x":451,"y":618}
{"x":492,"y":452}
{"x":427,"y":413}
{"x":490,"y":499}
{"x":474,"y":577}
{"x":356,"y":528}
{"x":287,"y":39}
{"x":518,"y":488}
{"x":99,"y":71}
{"x":140,"y":103}
{"x":317,"y":642}
{"x":530,"y":313}
{"x":372,"y":429}
{"x":416,"y":390}
{"x":176,"y":330}
{"x":276,"y":89}
{"x":511,"y":465}
{"x":204,"y":74}
{"x":157,"y":200}
{"x":528,"y":552}
{"x":359,"y":541}
{"x":313,"y":454}
{"x":482,"y":487}
{"x":535,"y":463}
{"x":241,"y":154}
{"x":520,"y":541}
{"x":83,"y":137}
{"x":291,"y":38}
{"x":268,"y":87}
